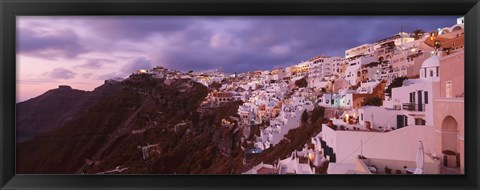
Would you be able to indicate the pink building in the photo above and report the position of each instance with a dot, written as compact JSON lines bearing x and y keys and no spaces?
{"x":449,"y":114}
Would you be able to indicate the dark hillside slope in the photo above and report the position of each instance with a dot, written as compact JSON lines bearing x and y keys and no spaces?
{"x":145,"y":112}
{"x":55,"y":107}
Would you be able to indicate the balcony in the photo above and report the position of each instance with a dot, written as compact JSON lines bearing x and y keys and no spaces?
{"x":413,"y":107}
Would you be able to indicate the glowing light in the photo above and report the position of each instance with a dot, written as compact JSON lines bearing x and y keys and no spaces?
{"x":141,"y":71}
{"x":311,"y":156}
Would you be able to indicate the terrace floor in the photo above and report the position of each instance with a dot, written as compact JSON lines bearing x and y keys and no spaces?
{"x":449,"y":170}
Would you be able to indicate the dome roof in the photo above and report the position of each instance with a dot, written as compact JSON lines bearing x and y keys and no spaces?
{"x":433,"y":61}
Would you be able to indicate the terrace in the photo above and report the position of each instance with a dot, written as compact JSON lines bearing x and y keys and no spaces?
{"x":390,"y":166}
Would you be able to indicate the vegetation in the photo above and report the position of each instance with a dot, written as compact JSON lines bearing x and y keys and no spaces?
{"x":397,"y":82}
{"x":304,"y":116}
{"x":374,"y":101}
{"x":301,"y":83}
{"x":215,"y":85}
{"x":334,"y":127}
{"x":317,"y":113}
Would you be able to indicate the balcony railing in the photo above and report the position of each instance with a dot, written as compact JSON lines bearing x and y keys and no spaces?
{"x":413,"y":107}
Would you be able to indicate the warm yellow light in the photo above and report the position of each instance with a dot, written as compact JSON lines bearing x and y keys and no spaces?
{"x":311,"y":156}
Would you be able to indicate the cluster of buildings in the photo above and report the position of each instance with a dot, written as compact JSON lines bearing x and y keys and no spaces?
{"x":374,"y":130}
{"x":427,"y":106}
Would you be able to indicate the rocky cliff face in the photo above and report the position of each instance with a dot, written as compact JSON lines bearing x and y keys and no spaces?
{"x":148,"y":126}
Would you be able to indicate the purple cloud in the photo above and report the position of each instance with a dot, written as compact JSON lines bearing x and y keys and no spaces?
{"x":139,"y":63}
{"x":204,"y":43}
{"x":50,"y":45}
{"x":269,"y":41}
{"x":137,"y":28}
{"x":112,"y":75}
{"x":93,"y":63}
{"x":87,"y":75}
{"x":61,"y":73}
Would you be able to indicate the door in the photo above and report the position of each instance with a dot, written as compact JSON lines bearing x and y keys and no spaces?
{"x":400,"y":121}
{"x":420,"y":101}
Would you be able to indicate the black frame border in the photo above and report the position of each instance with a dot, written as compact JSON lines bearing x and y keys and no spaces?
{"x":9,"y":9}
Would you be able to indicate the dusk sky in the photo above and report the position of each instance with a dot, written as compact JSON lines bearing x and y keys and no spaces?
{"x":84,"y":51}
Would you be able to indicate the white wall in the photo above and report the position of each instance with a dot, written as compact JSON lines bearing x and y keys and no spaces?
{"x":290,"y":124}
{"x":381,"y":116}
{"x":401,"y":95}
{"x":400,"y":144}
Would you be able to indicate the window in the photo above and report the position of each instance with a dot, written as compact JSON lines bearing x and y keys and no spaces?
{"x":361,"y":117}
{"x":426,"y":97}
{"x":419,"y":121}
{"x":412,"y":98}
{"x":448,"y":89}
{"x":431,"y":73}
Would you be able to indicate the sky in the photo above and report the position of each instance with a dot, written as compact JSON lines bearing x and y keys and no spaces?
{"x":83,"y":51}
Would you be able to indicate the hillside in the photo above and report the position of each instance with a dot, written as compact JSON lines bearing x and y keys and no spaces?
{"x":144,"y":112}
{"x":55,"y":107}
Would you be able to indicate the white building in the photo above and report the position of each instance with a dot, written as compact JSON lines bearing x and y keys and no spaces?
{"x":415,"y":97}
{"x":400,"y":145}
{"x":365,"y":49}
{"x":353,"y":68}
{"x":380,"y":118}
{"x":289,"y":118}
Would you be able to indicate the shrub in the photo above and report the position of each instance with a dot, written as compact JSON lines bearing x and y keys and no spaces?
{"x":334,"y":127}
{"x":397,"y":82}
{"x":304,"y":116}
{"x":301,"y":83}
{"x":317,"y":113}
{"x":374,"y":101}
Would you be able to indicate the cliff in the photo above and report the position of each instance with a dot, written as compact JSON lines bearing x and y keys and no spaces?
{"x":148,"y":126}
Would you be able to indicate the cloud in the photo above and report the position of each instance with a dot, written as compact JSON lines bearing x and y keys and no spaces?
{"x":49,"y":44}
{"x":219,"y":41}
{"x":280,"y":49}
{"x":139,"y":63}
{"x":93,"y":63}
{"x":87,"y":75}
{"x":136,"y":28}
{"x":90,"y":64}
{"x":61,"y":73}
{"x":205,"y":43}
{"x":112,"y":75}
